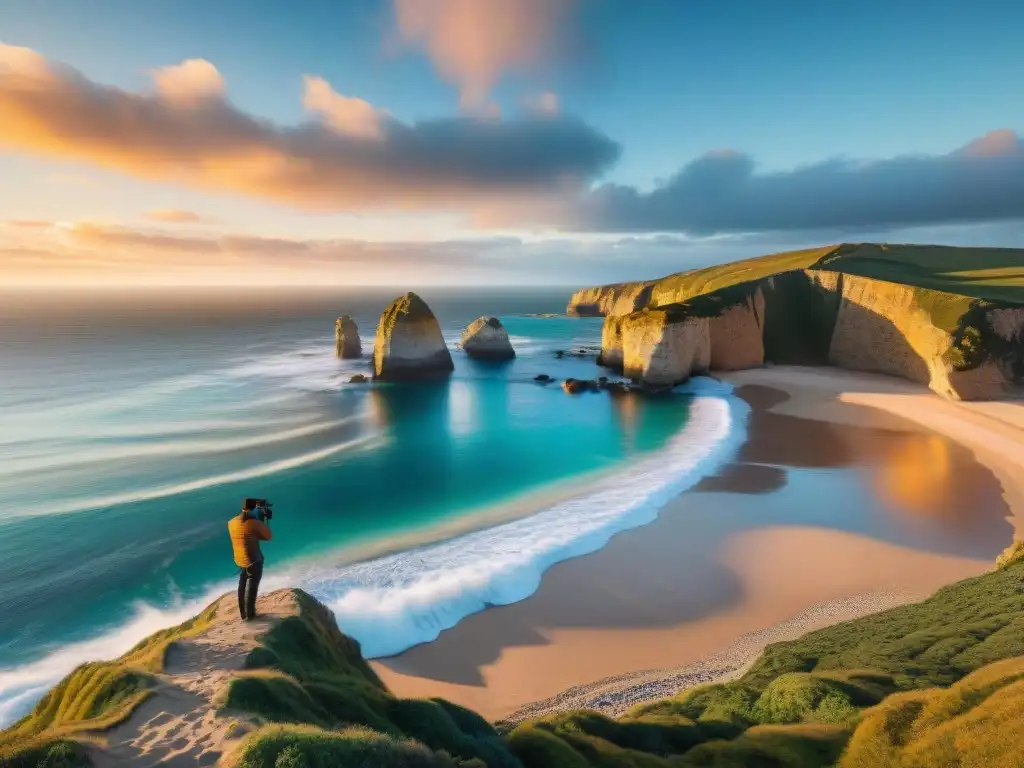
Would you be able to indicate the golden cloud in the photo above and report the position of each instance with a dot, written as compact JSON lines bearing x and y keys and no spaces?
{"x":174,"y":216}
{"x":351,"y":157}
{"x":473,"y":42}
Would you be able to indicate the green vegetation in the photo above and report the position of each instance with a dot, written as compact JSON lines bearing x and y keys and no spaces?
{"x":936,"y":683}
{"x":305,"y":671}
{"x":990,"y":274}
{"x":94,"y":697}
{"x":816,"y":701}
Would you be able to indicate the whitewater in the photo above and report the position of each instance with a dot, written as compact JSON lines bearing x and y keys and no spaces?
{"x":392,"y":603}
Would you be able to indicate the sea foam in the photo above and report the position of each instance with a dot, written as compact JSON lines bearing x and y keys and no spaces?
{"x":392,"y":603}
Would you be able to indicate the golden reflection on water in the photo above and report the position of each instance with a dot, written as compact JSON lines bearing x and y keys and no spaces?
{"x":916,"y":475}
{"x":627,"y":413}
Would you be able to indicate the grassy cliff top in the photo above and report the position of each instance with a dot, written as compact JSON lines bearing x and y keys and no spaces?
{"x":939,"y":682}
{"x":993,"y":274}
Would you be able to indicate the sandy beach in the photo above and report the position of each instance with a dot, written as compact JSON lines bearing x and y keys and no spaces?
{"x":853,"y":493}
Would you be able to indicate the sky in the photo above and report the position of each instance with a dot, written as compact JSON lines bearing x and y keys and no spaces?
{"x":510,"y":142}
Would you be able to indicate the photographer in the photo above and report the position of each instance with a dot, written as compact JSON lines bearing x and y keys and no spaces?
{"x":247,"y":530}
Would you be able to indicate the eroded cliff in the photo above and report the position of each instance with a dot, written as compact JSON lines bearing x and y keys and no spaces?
{"x":741,"y":315}
{"x":618,"y":299}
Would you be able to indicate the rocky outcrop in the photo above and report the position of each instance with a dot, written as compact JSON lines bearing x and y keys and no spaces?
{"x":346,"y":338}
{"x":487,"y":339}
{"x":409,"y":344}
{"x":604,"y":300}
{"x":576,"y":386}
{"x":664,"y":347}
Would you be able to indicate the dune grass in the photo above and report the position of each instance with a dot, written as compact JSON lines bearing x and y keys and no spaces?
{"x":305,"y":671}
{"x":96,"y":696}
{"x":935,"y":683}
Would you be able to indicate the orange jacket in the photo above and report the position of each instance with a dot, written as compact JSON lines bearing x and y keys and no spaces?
{"x":246,"y":534}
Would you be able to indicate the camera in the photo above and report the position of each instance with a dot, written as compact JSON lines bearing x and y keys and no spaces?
{"x":266,"y":509}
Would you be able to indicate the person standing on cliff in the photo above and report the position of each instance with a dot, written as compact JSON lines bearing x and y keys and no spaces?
{"x":247,"y":530}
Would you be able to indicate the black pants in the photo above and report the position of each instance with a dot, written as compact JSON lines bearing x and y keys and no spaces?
{"x":248,"y":585}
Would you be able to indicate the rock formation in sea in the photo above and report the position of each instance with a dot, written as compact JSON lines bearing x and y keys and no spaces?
{"x":576,"y":386}
{"x":487,"y":339}
{"x":409,"y":344}
{"x":346,"y":338}
{"x":862,"y":307}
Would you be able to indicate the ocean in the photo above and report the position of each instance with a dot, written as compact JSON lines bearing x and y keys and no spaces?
{"x":132,"y":425}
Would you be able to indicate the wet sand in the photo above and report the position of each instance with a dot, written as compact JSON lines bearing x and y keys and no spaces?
{"x":832,"y":509}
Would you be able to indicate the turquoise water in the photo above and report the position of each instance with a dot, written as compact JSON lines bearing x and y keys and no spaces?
{"x":134,"y":425}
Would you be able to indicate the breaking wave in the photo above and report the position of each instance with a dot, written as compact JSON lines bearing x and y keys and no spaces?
{"x":393,"y":603}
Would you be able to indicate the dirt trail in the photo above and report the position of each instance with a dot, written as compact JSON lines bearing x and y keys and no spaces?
{"x":180,"y":725}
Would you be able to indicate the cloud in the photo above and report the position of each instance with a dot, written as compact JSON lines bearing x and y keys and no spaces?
{"x":351,"y":158}
{"x":723,"y":192}
{"x":474,"y":42}
{"x":349,"y":116}
{"x":192,"y":81}
{"x":175,"y":216}
{"x":90,"y":253}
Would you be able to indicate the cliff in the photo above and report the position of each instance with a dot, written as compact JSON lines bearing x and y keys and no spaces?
{"x":861,"y":307}
{"x":292,"y":690}
{"x":618,"y":299}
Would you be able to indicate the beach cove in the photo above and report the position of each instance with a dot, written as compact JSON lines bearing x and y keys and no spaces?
{"x":853,"y":493}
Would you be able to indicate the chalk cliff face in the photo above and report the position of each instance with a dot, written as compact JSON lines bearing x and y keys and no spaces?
{"x":961,"y":347}
{"x":661,"y":348}
{"x":890,"y":328}
{"x":487,"y":339}
{"x":618,"y":299}
{"x":611,"y":343}
{"x":346,"y":338}
{"x":409,"y":344}
{"x":737,"y":335}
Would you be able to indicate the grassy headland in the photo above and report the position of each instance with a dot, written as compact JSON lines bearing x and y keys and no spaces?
{"x":935,"y":683}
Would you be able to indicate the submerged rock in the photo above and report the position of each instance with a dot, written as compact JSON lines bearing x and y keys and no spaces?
{"x":346,"y":338}
{"x":543,"y":379}
{"x":358,"y":379}
{"x":409,"y":344}
{"x":576,"y":386}
{"x":487,"y":339}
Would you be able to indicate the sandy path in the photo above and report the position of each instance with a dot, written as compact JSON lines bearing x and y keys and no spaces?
{"x":181,"y":723}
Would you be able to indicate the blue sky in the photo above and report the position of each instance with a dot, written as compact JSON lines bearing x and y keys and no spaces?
{"x":790,"y":85}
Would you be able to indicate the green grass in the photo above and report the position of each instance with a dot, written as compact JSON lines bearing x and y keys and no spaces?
{"x":94,"y":697}
{"x":305,"y":671}
{"x":936,"y":683}
{"x":305,"y":747}
{"x":979,"y":721}
{"x":991,"y":274}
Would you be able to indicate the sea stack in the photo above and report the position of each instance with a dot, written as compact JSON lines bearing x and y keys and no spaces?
{"x":409,"y":345}
{"x":346,"y":338}
{"x":487,"y":339}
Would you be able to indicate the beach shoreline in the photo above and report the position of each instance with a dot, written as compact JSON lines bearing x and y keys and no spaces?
{"x":611,"y":664}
